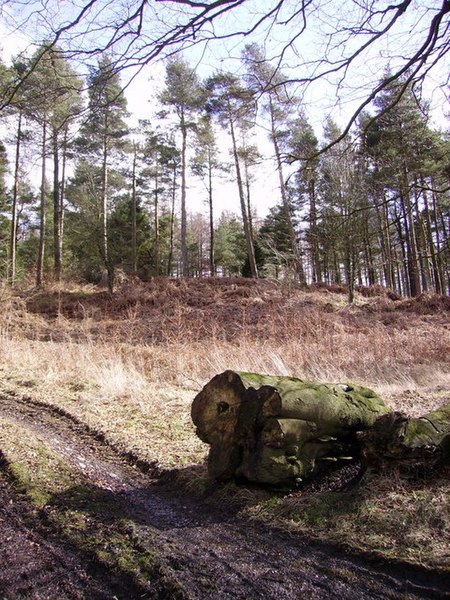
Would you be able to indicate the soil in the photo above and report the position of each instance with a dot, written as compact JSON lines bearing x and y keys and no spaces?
{"x":202,"y":551}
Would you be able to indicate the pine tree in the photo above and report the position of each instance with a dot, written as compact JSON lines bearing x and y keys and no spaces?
{"x":278,"y":104}
{"x":234,"y":106}
{"x":17,"y":109}
{"x":302,"y":147}
{"x":102,"y":140}
{"x":205,"y":164}
{"x":3,"y":207}
{"x":275,"y":238}
{"x":63,"y":114}
{"x":156,"y":182}
{"x":342,"y":194}
{"x":231,"y":251}
{"x":184,"y":94}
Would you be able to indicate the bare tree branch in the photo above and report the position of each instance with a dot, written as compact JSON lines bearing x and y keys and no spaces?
{"x":138,"y":32}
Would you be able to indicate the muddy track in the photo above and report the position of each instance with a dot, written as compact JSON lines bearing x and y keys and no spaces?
{"x":203,"y":552}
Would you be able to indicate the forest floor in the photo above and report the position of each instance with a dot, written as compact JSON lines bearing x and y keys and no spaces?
{"x":103,"y":488}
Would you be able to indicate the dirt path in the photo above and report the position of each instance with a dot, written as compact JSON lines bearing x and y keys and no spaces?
{"x":206,"y":553}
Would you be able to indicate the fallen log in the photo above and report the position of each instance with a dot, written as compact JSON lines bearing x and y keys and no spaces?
{"x":410,"y":444}
{"x":278,"y":430}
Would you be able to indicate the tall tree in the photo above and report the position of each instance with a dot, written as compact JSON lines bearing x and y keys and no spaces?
{"x":156,"y":182}
{"x":41,"y":95}
{"x":341,"y":198}
{"x":9,"y":255}
{"x":234,"y":106}
{"x":184,"y":94}
{"x":268,"y":83}
{"x":102,"y":140}
{"x":3,"y":205}
{"x":67,"y":87}
{"x":204,"y":164}
{"x":302,"y":147}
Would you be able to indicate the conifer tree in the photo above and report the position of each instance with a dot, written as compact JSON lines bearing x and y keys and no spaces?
{"x":234,"y":106}
{"x":205,"y":164}
{"x":302,"y":148}
{"x":278,"y":104}
{"x":184,"y":94}
{"x":102,"y":140}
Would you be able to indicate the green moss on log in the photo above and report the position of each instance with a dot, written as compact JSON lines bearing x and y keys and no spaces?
{"x":431,"y":429}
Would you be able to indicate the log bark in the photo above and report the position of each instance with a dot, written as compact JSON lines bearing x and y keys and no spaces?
{"x":408,"y":444}
{"x":278,"y":430}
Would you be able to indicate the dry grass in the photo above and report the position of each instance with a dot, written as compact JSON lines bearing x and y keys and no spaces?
{"x":397,"y":518}
{"x":131,"y":365}
{"x":183,"y":332}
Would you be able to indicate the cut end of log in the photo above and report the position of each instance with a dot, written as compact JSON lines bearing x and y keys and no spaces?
{"x":215,"y":409}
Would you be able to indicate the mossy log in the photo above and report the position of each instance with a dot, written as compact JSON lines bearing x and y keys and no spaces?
{"x":277,"y":430}
{"x":410,"y":444}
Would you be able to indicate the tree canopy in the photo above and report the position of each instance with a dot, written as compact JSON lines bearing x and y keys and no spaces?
{"x":359,"y":200}
{"x":343,"y":43}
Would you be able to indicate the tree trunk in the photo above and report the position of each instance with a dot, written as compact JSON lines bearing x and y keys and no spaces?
{"x":437,"y":277}
{"x":41,"y":254}
{"x":133,"y":213}
{"x":172,"y":222}
{"x":212,"y":264}
{"x":56,"y":209}
{"x":410,"y":237}
{"x":313,"y":233}
{"x":184,"y":249}
{"x":245,"y":217}
{"x":285,"y":202}
{"x":13,"y":239}
{"x":62,"y":195}
{"x":403,"y":280}
{"x":105,"y":241}
{"x":156,"y":225}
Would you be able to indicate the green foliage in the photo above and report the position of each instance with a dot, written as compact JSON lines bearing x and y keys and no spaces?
{"x":275,"y":237}
{"x":183,"y":91}
{"x":230,"y":249}
{"x":259,"y":258}
{"x":51,"y":91}
{"x":153,"y":260}
{"x":105,"y":127}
